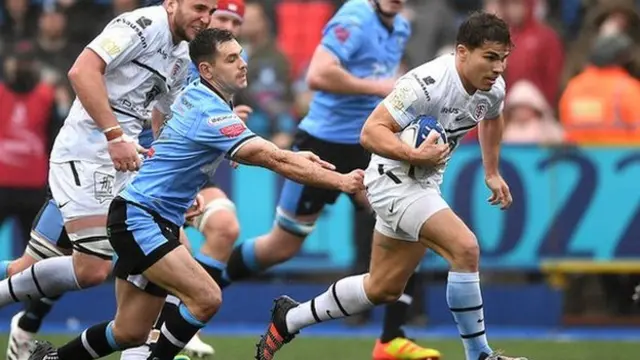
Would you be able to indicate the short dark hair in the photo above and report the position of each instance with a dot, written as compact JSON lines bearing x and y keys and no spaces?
{"x":481,"y":27}
{"x":205,"y":45}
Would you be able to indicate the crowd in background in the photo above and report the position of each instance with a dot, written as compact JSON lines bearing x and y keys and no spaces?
{"x":572,"y":74}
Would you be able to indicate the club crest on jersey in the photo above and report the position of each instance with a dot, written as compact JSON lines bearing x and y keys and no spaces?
{"x":480,"y":111}
{"x":176,"y":68}
{"x":342,"y":33}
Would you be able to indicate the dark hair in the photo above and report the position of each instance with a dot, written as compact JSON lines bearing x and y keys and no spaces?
{"x":481,"y":27}
{"x":205,"y":45}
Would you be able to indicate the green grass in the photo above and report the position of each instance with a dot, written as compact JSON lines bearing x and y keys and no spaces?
{"x":359,"y":349}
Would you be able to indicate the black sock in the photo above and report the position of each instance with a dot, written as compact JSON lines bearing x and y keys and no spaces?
{"x":99,"y":339}
{"x":34,"y":313}
{"x":215,"y":268}
{"x":180,"y":326}
{"x":237,"y":268}
{"x":395,"y":315}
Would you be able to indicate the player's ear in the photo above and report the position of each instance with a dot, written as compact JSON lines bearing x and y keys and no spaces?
{"x":205,"y":69}
{"x":170,"y":5}
{"x":462,"y":52}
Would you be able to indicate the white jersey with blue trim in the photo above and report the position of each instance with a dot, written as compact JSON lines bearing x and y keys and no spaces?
{"x":435,"y":89}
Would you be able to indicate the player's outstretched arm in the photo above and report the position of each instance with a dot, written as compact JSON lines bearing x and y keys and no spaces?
{"x":87,"y":78}
{"x":304,"y":168}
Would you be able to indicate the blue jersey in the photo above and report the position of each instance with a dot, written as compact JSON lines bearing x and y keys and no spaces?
{"x":367,"y":49}
{"x":202,"y":131}
{"x":145,"y":139}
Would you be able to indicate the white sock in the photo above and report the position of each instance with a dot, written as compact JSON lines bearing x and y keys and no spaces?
{"x":344,"y":298}
{"x":47,"y":278}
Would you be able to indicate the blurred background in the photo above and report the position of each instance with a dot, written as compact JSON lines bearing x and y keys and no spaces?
{"x":563,"y":260}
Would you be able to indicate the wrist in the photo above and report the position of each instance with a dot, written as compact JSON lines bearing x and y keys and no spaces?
{"x":490,"y":174}
{"x":113,"y":133}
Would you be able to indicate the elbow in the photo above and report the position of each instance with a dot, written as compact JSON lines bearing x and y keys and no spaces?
{"x":365,"y":139}
{"x":73,"y":74}
{"x":315,"y":81}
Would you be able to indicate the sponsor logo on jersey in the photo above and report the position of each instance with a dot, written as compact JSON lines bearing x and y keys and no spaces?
{"x":233,"y":130}
{"x":450,"y":110}
{"x":422,"y":86}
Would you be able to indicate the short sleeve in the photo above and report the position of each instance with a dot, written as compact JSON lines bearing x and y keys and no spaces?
{"x":343,"y":38}
{"x":123,"y":39}
{"x":407,"y":101}
{"x":224,"y":131}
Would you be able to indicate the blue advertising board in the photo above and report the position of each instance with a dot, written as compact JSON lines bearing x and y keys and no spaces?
{"x":568,"y":203}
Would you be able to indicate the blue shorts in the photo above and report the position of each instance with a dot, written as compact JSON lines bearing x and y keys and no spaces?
{"x":140,"y":237}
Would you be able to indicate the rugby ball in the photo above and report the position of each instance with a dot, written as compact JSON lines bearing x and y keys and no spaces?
{"x":417,"y":131}
{"x":415,"y":134}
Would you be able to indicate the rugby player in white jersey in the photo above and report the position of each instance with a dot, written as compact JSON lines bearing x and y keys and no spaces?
{"x":131,"y":71}
{"x":462,"y":91}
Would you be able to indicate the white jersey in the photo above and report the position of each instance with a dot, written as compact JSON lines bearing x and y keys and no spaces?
{"x":435,"y":89}
{"x":144,"y":68}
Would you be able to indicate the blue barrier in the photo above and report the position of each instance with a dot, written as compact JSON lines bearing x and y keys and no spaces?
{"x":577,"y":203}
{"x":250,"y":303}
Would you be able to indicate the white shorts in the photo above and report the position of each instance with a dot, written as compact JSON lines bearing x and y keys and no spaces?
{"x":82,"y":189}
{"x":402,"y":204}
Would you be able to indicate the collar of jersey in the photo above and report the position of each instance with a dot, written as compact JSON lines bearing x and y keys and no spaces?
{"x":458,"y":78}
{"x":215,"y":91}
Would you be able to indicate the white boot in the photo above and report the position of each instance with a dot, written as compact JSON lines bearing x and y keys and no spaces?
{"x":198,"y":348}
{"x":20,"y":341}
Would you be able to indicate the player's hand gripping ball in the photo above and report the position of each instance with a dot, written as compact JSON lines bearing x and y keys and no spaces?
{"x":416,"y":133}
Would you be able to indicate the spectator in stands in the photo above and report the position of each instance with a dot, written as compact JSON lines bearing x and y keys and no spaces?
{"x":528,"y":117}
{"x":269,"y":92}
{"x":123,"y":6}
{"x":600,"y":105}
{"x":538,"y":55}
{"x":54,"y":51}
{"x":604,"y":17}
{"x":85,"y":20}
{"x":19,"y":23}
{"x":433,"y":27}
{"x":28,"y":125}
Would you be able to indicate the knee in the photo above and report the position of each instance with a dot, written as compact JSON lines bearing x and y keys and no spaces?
{"x":129,"y":336}
{"x":91,"y":273}
{"x":223,"y":229}
{"x":382,"y":291}
{"x":466,"y":255}
{"x":206,"y":303}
